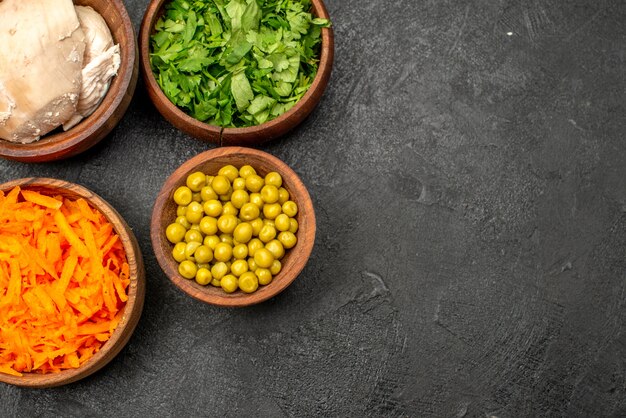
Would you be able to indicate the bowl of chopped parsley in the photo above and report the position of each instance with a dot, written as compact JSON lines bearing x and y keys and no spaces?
{"x":236,"y":72}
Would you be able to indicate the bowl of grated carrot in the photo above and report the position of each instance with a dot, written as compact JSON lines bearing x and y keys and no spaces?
{"x":72,"y":282}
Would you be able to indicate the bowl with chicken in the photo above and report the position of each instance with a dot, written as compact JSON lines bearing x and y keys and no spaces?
{"x":67,"y":74}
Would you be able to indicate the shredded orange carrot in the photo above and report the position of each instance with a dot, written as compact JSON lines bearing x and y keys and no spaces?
{"x":63,"y":282}
{"x":41,"y":200}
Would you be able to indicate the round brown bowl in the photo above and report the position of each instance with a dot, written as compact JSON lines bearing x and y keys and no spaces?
{"x":209,"y":162}
{"x":136,"y":289}
{"x":58,"y":145}
{"x":235,"y":136}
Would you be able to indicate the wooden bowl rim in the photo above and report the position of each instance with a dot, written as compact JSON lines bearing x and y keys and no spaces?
{"x":237,"y":299}
{"x":91,"y":130}
{"x":136,"y":289}
{"x":188,"y":124}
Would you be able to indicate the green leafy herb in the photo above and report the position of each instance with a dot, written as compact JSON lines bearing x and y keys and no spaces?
{"x":236,"y":63}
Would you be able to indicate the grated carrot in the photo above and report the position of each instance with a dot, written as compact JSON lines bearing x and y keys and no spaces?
{"x":63,"y":282}
{"x":41,"y":200}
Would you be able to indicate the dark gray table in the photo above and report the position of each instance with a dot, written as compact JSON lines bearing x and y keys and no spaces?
{"x":467,"y":165}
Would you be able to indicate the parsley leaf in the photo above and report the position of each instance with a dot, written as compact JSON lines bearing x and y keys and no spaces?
{"x":241,"y":89}
{"x":236,"y":63}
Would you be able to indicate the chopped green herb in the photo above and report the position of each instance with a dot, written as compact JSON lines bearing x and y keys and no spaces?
{"x":236,"y":63}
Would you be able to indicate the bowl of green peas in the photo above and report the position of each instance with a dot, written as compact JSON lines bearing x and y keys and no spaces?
{"x":233,"y":226}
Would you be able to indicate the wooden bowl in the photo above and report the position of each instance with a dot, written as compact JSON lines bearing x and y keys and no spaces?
{"x":164,"y":213}
{"x":58,"y":145}
{"x":235,"y":136}
{"x":136,"y":289}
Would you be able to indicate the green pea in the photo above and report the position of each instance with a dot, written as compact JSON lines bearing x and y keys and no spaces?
{"x":263,"y":258}
{"x":288,"y":239}
{"x":253,"y":245}
{"x":257,"y":225}
{"x":248,"y":282}
{"x":196,"y":181}
{"x":252,"y":264}
{"x":272,"y":210}
{"x":230,"y":209}
{"x":246,"y":171}
{"x":275,"y":267}
{"x":228,"y":239}
{"x":232,"y":229}
{"x":276,"y":248}
{"x":190,"y":249}
{"x":239,"y":198}
{"x":274,"y":179}
{"x":240,"y":251}
{"x":269,"y":193}
{"x":249,"y":211}
{"x":239,"y":184}
{"x":227,"y":223}
{"x":290,"y":208}
{"x":193,"y":236}
{"x":182,"y":196}
{"x":254,"y":183}
{"x":256,"y":199}
{"x":211,"y":241}
{"x":283,"y":195}
{"x":229,"y":171}
{"x":203,"y":254}
{"x":175,"y":232}
{"x":179,"y":252}
{"x":208,"y":225}
{"x":229,"y":283}
{"x":194,"y":213}
{"x":293,"y":225}
{"x":212,"y":208}
{"x":239,"y":267}
{"x":183,"y":221}
{"x":282,"y":222}
{"x":226,"y":196}
{"x":264,"y":276}
{"x":207,"y":193}
{"x":221,"y":185}
{"x":223,"y":252}
{"x":243,"y":232}
{"x":203,"y":276}
{"x":219,"y":270}
{"x":187,"y":269}
{"x":268,"y":233}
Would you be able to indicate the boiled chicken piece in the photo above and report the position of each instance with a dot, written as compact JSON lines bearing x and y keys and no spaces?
{"x":101,"y":62}
{"x":40,"y":66}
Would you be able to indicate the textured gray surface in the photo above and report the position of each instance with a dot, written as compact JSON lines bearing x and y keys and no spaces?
{"x":467,"y":168}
